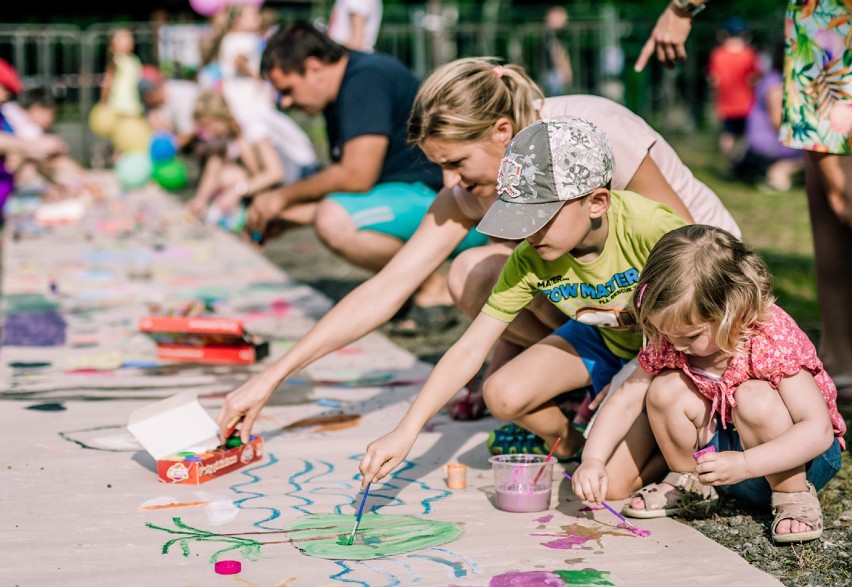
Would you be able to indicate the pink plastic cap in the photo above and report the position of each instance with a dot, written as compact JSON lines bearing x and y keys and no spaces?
{"x":228,"y":567}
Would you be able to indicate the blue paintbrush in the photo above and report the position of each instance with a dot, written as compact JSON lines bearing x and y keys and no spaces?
{"x":358,"y":515}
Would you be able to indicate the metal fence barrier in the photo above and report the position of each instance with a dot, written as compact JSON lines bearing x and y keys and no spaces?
{"x":70,"y":61}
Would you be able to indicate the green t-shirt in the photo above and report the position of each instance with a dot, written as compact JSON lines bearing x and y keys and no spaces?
{"x":596,"y":293}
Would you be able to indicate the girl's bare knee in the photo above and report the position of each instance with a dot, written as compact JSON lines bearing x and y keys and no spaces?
{"x":666,"y":390}
{"x":757,"y":404}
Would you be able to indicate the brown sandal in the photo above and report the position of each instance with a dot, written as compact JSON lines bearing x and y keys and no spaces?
{"x":802,"y":506}
{"x":660,"y":504}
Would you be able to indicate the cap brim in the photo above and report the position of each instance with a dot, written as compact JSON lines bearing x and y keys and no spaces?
{"x":517,"y":221}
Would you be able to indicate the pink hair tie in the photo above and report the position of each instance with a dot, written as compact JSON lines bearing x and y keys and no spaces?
{"x":641,"y":294}
{"x":498,"y":71}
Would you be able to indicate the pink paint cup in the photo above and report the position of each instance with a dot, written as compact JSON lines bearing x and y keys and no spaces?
{"x":513,"y":482}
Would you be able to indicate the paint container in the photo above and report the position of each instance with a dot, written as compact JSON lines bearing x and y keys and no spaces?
{"x":457,"y":476}
{"x":513,"y":482}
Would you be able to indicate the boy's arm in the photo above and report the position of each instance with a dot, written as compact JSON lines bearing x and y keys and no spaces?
{"x":357,"y":171}
{"x":810,"y":435}
{"x":458,"y":366}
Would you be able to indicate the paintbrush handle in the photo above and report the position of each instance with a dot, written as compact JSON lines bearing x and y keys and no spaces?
{"x":605,"y":504}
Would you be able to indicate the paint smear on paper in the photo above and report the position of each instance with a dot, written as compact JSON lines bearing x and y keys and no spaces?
{"x":378,"y":536}
{"x":167,"y":503}
{"x":47,"y":407}
{"x":578,"y":535}
{"x":326,"y":423}
{"x":558,"y":578}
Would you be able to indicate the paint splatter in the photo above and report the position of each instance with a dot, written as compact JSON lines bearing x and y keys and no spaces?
{"x":543,"y":519}
{"x":167,"y":503}
{"x":527,"y":579}
{"x":378,"y":536}
{"x":641,"y":532}
{"x":558,"y":578}
{"x":326,"y":423}
{"x":585,"y":577}
{"x":578,"y":535}
{"x":47,"y":407}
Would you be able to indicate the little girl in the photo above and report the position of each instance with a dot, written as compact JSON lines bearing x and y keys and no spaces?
{"x":243,"y":158}
{"x":723,"y":367}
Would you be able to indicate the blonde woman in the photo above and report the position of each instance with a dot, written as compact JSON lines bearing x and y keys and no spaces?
{"x":464,"y":116}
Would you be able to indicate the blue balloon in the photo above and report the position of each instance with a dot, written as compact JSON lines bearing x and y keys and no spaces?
{"x":163,"y":147}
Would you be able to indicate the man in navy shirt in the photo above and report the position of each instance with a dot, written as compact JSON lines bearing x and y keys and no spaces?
{"x":368,"y":202}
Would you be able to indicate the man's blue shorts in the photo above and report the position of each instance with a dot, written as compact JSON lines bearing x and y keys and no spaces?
{"x":396,"y":209}
{"x":757,"y":491}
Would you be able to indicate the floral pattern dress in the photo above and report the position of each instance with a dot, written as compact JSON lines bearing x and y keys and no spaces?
{"x":775,"y":350}
{"x":818,"y":76}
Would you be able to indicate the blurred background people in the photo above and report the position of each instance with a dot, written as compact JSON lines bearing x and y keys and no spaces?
{"x":355,"y":24}
{"x":733,"y":70}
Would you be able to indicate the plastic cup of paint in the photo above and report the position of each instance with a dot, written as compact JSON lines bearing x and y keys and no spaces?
{"x":456,"y":475}
{"x":513,"y":482}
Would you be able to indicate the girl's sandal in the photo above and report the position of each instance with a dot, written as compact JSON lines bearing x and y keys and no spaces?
{"x":661,"y":503}
{"x":802,"y":506}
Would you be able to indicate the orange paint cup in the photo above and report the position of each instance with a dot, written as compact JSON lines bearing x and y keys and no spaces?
{"x":456,"y":476}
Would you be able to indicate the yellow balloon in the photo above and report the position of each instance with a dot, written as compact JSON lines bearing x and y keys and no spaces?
{"x":102,"y":120}
{"x":132,"y":134}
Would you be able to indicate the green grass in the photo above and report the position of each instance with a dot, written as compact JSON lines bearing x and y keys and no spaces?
{"x":776,"y":225}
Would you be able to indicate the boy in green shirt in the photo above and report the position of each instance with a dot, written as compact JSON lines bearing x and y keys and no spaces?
{"x":583,"y":249}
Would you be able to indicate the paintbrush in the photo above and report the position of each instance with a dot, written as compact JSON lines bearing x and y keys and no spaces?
{"x":550,"y":454}
{"x":358,"y":516}
{"x":610,"y":508}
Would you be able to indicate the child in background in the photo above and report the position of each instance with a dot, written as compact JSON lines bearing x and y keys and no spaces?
{"x":733,"y":70}
{"x":583,"y":248}
{"x":242,"y":161}
{"x":120,"y":86}
{"x":32,"y":116}
{"x":723,"y":367}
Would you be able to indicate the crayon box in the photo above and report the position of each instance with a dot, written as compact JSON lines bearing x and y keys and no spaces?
{"x":184,"y":441}
{"x":203,"y":339}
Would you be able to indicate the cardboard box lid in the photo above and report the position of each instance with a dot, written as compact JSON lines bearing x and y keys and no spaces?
{"x":174,"y":425}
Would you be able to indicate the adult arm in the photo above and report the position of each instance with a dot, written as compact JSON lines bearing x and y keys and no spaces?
{"x":357,"y":171}
{"x":650,"y":182}
{"x":458,"y":366}
{"x":810,"y":435}
{"x":36,"y":149}
{"x":358,"y":28}
{"x":367,"y":307}
{"x":668,"y":38}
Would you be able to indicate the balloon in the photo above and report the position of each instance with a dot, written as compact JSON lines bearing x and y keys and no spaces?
{"x":133,"y":169}
{"x":163,"y":147}
{"x":132,"y":134}
{"x":102,"y":120}
{"x":171,"y":175}
{"x":206,"y":7}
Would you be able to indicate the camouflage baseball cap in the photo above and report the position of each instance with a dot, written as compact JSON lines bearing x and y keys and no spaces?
{"x":546,"y":164}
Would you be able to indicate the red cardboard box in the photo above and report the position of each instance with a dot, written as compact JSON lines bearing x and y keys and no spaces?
{"x":184,"y":440}
{"x":203,"y":339}
{"x":208,"y":465}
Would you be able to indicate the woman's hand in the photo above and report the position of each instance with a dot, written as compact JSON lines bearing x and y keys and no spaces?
{"x":590,"y":481}
{"x":245,"y":403}
{"x":384,"y":454}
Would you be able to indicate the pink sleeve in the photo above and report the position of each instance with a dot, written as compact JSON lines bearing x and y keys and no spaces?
{"x":654,"y":359}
